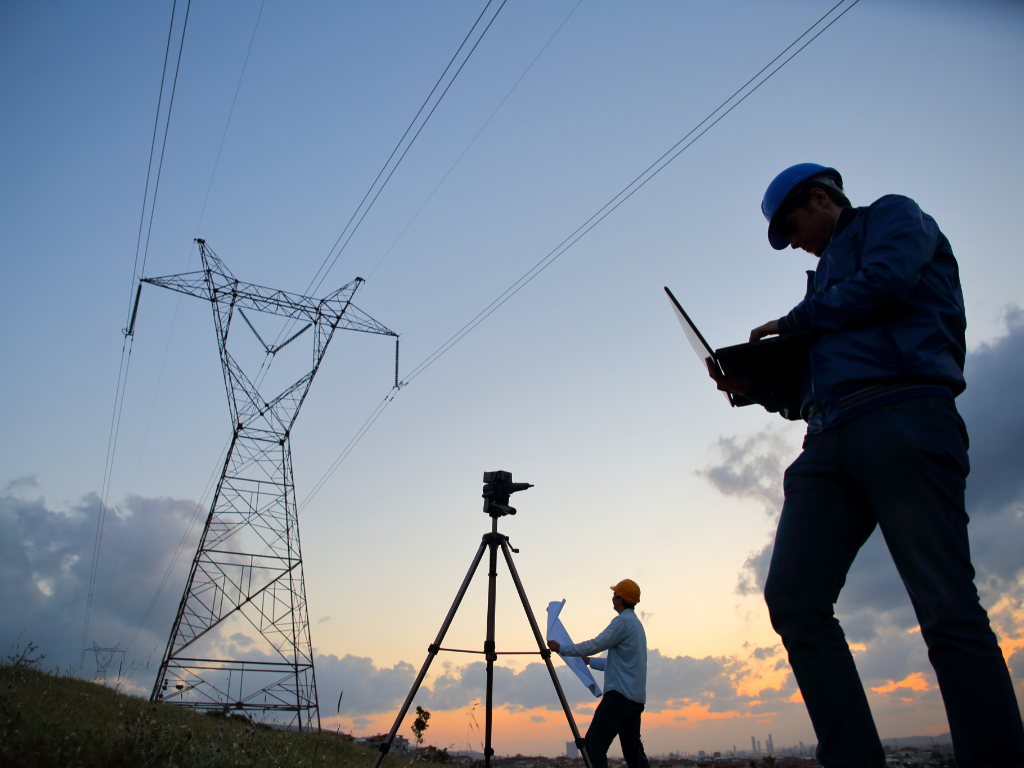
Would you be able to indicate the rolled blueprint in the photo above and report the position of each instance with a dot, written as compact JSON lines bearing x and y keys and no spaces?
{"x":557,"y":633}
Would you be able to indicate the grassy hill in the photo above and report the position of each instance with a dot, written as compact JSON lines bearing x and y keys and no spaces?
{"x":54,"y":720}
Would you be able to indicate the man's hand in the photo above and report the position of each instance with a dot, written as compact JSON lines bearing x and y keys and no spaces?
{"x":554,"y":645}
{"x":586,"y":660}
{"x":771,"y":328}
{"x":727,"y":382}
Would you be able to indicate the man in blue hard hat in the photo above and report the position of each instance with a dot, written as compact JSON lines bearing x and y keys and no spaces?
{"x":885,"y":447}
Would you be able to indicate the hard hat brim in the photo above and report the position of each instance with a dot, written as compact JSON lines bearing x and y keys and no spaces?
{"x":778,"y":241}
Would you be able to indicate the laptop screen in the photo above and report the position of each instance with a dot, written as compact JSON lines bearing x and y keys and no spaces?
{"x":693,"y":336}
{"x":700,"y":346}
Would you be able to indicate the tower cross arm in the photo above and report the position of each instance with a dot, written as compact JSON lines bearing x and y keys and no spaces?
{"x":337,"y":308}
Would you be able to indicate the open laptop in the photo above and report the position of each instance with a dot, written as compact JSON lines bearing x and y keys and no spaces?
{"x":780,"y":360}
{"x":700,"y":346}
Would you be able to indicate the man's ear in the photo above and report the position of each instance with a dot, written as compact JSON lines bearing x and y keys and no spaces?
{"x":820,"y":198}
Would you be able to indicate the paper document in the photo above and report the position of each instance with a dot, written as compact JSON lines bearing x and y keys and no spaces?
{"x":557,"y":633}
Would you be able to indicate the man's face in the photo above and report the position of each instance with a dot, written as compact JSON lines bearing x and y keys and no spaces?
{"x":618,"y":603}
{"x":810,"y":226}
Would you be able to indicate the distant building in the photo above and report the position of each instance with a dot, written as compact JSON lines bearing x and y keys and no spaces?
{"x":771,"y":744}
{"x":571,"y":750}
{"x":400,"y":744}
{"x":753,"y":744}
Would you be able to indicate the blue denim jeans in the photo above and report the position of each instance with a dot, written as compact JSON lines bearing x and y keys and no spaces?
{"x":902,"y":467}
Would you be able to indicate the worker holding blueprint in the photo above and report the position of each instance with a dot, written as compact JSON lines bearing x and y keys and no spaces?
{"x":625,"y":676}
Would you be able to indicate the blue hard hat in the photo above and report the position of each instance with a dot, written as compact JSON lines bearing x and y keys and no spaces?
{"x":780,"y":188}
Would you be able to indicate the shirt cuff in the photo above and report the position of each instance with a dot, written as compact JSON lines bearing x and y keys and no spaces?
{"x":792,"y":322}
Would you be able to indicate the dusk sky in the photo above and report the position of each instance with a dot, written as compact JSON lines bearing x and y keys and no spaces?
{"x":582,"y":383}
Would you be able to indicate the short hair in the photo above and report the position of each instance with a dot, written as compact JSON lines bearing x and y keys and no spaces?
{"x":801,"y":196}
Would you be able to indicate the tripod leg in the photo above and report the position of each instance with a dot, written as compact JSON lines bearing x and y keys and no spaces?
{"x":545,"y":653}
{"x":431,"y":653}
{"x":489,"y":650}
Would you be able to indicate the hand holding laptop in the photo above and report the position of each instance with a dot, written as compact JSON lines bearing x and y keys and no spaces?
{"x":730,"y":382}
{"x":727,"y":382}
{"x":771,"y":328}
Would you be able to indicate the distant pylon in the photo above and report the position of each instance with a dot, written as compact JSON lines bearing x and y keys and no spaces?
{"x":104,"y":658}
{"x":247,"y":571}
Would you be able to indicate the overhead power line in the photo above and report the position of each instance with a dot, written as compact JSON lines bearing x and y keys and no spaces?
{"x":129,"y":330}
{"x":473,"y":140}
{"x":390,"y":396}
{"x":390,"y":167}
{"x":361,"y":211}
{"x":391,"y":164}
{"x":635,"y":185}
{"x":738,"y":97}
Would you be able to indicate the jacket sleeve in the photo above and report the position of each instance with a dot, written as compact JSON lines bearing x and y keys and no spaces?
{"x":598,"y":663}
{"x":781,"y":400}
{"x":899,"y":243}
{"x":611,"y":637}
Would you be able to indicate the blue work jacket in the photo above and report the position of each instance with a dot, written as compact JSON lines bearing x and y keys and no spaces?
{"x":887,"y":301}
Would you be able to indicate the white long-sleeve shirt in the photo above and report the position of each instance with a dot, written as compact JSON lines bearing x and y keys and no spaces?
{"x":625,"y":668}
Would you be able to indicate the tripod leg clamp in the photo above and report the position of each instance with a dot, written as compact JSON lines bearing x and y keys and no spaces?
{"x":385,"y":748}
{"x":489,"y":653}
{"x":433,"y":649}
{"x":488,"y":752}
{"x":545,"y":653}
{"x":581,"y":743}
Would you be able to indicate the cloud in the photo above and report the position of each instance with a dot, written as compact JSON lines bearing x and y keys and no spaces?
{"x":873,"y":607}
{"x":755,"y":570}
{"x":45,"y":558}
{"x":529,"y":688}
{"x":45,"y":562}
{"x":673,"y":683}
{"x":368,"y":689}
{"x":994,"y":415}
{"x":752,"y":468}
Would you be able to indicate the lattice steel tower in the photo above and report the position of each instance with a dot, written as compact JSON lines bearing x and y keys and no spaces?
{"x":248,"y":567}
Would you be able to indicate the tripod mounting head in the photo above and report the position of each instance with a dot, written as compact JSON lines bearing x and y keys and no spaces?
{"x":498,"y":486}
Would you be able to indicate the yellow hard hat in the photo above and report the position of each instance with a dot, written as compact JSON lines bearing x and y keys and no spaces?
{"x":628,"y":590}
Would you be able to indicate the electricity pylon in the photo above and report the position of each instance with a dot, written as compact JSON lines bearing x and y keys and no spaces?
{"x":248,"y":567}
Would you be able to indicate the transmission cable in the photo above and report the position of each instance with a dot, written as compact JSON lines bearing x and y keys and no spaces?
{"x":199,"y":223}
{"x":325,"y":268}
{"x":627,"y":192}
{"x":418,"y":131}
{"x":328,"y":262}
{"x":372,"y":419}
{"x":129,"y":330}
{"x":649,"y":173}
{"x":473,"y":141}
{"x":174,"y":318}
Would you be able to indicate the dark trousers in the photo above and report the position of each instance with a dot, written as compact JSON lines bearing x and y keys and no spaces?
{"x":616,"y":716}
{"x":904,"y":468}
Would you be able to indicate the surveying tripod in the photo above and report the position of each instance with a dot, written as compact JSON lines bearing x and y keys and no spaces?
{"x":497,"y":489}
